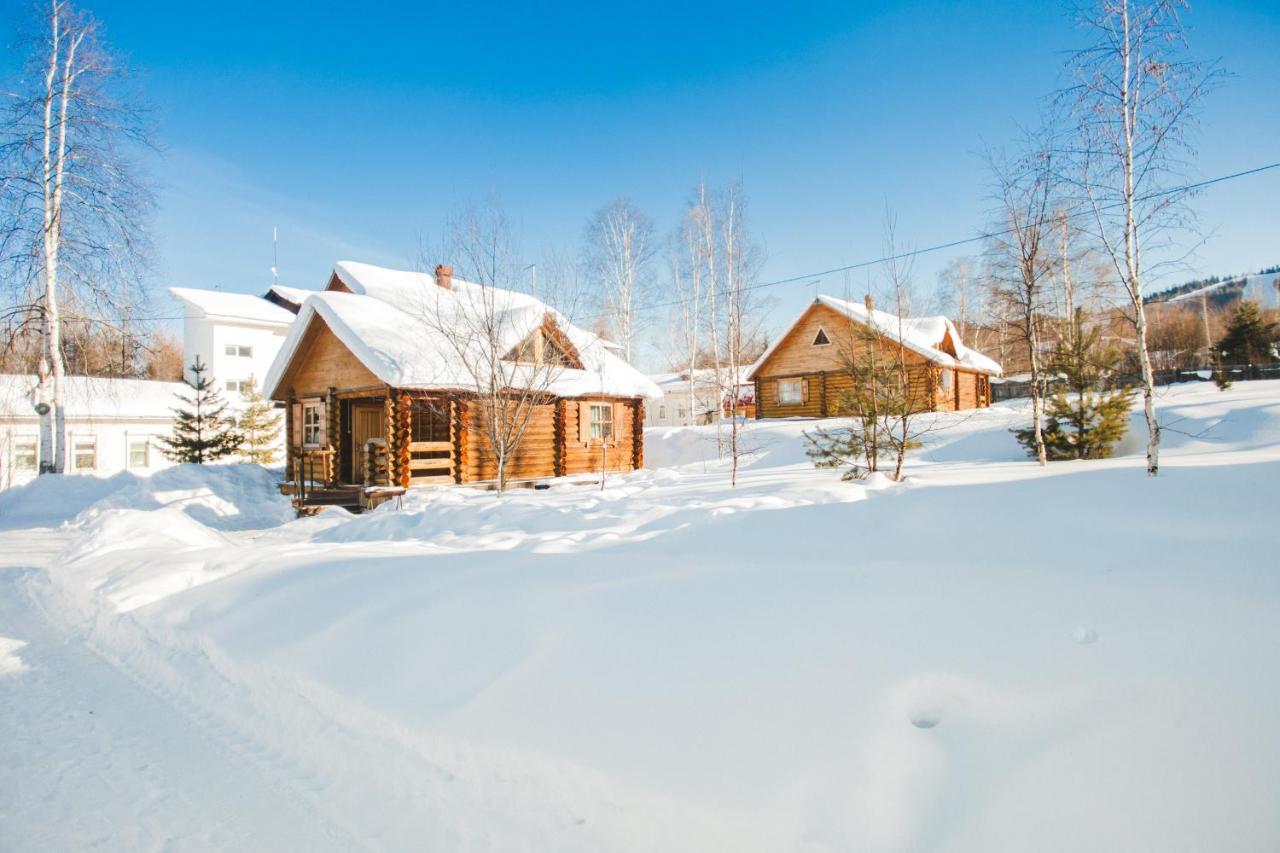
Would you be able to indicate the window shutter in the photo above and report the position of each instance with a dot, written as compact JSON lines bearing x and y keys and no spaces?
{"x":324,"y":424}
{"x":584,"y":422}
{"x":297,"y":424}
{"x":804,"y":390}
{"x":620,"y":412}
{"x":777,"y":390}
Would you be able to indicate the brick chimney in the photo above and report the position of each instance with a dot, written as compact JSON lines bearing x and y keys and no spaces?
{"x":869,"y":302}
{"x":444,"y":276}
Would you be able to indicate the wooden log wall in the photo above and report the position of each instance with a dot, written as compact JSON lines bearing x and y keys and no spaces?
{"x":585,"y":457}
{"x":533,"y":459}
{"x":404,"y":436}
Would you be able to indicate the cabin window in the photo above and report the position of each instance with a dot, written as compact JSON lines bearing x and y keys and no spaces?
{"x":311,"y":425}
{"x":790,"y":392}
{"x":430,"y":420}
{"x":238,"y":351}
{"x":139,"y":451}
{"x":85,"y":453}
{"x":821,"y":339}
{"x":600,"y":417}
{"x":26,"y":453}
{"x":945,"y":381}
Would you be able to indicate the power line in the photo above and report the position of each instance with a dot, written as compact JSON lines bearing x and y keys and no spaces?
{"x":810,"y":277}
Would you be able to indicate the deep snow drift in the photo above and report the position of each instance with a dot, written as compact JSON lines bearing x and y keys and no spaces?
{"x":989,"y":656}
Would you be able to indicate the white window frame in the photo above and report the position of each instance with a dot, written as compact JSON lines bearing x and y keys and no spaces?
{"x":600,"y":428}
{"x":76,"y":441}
{"x":35,"y":453}
{"x":130,"y":440}
{"x":786,"y":399}
{"x":308,"y":427}
{"x":237,"y":350}
{"x":235,"y":386}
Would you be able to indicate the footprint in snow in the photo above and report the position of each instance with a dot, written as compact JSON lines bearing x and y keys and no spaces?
{"x":1084,"y":635}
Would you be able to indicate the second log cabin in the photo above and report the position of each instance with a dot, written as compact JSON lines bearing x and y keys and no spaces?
{"x":386,"y":378}
{"x":805,"y":372}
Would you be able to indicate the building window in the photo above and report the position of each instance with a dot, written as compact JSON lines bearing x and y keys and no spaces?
{"x":821,"y":339}
{"x":85,"y":453}
{"x":26,"y":453}
{"x":790,"y":392}
{"x":238,"y":351}
{"x":234,"y":386}
{"x":139,"y":451}
{"x":311,"y":425}
{"x":662,"y":412}
{"x":601,"y":421}
{"x":681,"y":412}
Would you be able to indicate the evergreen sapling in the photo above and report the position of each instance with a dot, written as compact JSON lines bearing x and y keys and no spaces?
{"x":259,"y":427}
{"x":1083,"y":421}
{"x":202,"y":429}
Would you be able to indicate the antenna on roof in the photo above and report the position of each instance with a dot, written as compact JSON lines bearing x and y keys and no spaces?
{"x":275,"y":255}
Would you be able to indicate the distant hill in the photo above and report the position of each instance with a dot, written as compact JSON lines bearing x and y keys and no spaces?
{"x":1263,"y":287}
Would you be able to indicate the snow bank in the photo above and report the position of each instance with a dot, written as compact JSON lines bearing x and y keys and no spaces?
{"x":989,"y":656}
{"x":225,"y":497}
{"x":10,"y":662}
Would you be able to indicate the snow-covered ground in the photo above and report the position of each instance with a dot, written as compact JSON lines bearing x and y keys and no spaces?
{"x":987,"y":657}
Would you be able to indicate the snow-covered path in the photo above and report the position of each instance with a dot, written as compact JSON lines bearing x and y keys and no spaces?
{"x":143,"y":773}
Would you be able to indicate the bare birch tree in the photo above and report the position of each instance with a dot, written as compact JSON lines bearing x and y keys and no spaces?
{"x":1021,"y":252}
{"x":1134,"y":99}
{"x":619,"y":251}
{"x":511,"y":358}
{"x":72,"y":198}
{"x":742,"y":259}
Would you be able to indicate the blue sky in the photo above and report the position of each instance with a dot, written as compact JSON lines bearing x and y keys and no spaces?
{"x":356,"y":127}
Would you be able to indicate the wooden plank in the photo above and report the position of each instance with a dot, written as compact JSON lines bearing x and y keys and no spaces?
{"x":430,"y":464}
{"x":430,"y":446}
{"x":435,"y":480}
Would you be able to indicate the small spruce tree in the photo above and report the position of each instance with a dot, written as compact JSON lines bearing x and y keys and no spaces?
{"x":202,"y":429}
{"x":1082,"y":420}
{"x":1248,"y":339}
{"x":259,"y":426}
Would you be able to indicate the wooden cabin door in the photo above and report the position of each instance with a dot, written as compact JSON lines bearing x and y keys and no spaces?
{"x":367,"y":421}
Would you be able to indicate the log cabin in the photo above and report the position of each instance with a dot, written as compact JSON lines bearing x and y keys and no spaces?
{"x":384,"y":390}
{"x":805,"y":372}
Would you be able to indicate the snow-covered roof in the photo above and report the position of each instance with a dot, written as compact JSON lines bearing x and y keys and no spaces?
{"x":394,"y":322}
{"x":681,"y":379}
{"x":234,"y":306}
{"x":921,"y":335}
{"x":93,"y":397}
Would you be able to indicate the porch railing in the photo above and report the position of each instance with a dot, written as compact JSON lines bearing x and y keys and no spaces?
{"x":430,"y":463}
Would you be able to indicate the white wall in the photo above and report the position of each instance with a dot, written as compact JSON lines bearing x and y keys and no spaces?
{"x":111,"y":439}
{"x":673,"y":409}
{"x":209,"y":338}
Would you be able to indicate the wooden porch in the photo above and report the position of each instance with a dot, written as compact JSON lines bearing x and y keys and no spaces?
{"x":356,"y":448}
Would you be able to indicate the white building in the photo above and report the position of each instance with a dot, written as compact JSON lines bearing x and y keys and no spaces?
{"x":675,"y":408}
{"x":111,"y":425}
{"x":236,"y":335}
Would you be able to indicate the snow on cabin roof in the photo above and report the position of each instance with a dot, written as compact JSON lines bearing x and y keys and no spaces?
{"x":922,"y":335}
{"x":393,"y":321}
{"x":91,"y":397}
{"x":236,"y":306}
{"x":681,"y":378}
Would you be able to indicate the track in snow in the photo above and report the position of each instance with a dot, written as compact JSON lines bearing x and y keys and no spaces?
{"x":108,"y":764}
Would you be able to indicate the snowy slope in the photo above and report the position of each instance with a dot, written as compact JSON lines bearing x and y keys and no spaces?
{"x":989,"y":656}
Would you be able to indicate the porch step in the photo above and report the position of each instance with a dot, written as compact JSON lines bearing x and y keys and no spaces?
{"x":347,"y":497}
